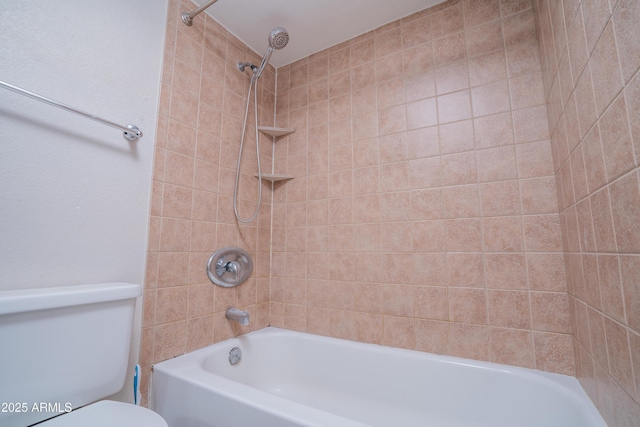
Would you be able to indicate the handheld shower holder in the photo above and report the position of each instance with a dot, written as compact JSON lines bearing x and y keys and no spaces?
{"x":243,"y":65}
{"x":278,"y":39}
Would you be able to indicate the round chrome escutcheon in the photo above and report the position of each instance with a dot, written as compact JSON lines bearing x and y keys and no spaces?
{"x":229,"y":267}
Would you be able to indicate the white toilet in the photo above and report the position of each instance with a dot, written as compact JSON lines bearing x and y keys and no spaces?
{"x":61,"y":350}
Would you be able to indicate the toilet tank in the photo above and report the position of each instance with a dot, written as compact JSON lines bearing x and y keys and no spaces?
{"x":62,"y":348}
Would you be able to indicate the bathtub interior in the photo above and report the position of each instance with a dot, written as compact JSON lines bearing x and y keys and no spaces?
{"x":380,"y":386}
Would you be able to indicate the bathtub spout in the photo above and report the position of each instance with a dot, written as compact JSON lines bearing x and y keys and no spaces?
{"x":238,"y":315}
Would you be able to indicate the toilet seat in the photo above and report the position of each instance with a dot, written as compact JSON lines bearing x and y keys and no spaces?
{"x":108,"y":413}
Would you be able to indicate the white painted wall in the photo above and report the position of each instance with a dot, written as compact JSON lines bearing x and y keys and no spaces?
{"x":74,"y":194}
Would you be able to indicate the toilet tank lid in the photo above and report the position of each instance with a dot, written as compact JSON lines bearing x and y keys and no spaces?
{"x":25,"y":300}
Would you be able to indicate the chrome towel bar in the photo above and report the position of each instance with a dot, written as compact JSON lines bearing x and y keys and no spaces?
{"x":131,"y":132}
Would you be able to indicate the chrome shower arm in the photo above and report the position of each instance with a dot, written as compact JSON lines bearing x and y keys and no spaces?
{"x":187,"y":17}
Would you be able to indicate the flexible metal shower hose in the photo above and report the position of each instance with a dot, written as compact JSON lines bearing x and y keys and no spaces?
{"x":254,"y":85}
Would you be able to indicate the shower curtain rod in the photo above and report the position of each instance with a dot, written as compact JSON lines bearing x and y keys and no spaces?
{"x":131,"y":132}
{"x":187,"y":17}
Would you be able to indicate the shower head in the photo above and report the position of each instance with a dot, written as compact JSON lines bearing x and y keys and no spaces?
{"x":278,"y":38}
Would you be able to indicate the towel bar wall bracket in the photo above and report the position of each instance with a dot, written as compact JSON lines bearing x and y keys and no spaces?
{"x":133,"y":133}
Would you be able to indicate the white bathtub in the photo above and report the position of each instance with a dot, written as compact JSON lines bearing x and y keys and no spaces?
{"x":289,"y":378}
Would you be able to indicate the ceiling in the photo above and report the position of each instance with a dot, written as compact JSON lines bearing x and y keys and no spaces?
{"x":313,"y":25}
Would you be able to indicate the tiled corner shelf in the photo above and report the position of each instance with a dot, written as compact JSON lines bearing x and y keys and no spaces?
{"x":275,"y":132}
{"x":273,"y":177}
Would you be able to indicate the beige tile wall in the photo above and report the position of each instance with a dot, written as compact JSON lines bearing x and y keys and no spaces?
{"x":590,"y":53}
{"x":200,"y":120}
{"x":424,"y":210}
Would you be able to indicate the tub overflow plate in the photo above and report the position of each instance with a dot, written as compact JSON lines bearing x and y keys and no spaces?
{"x":235,"y":355}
